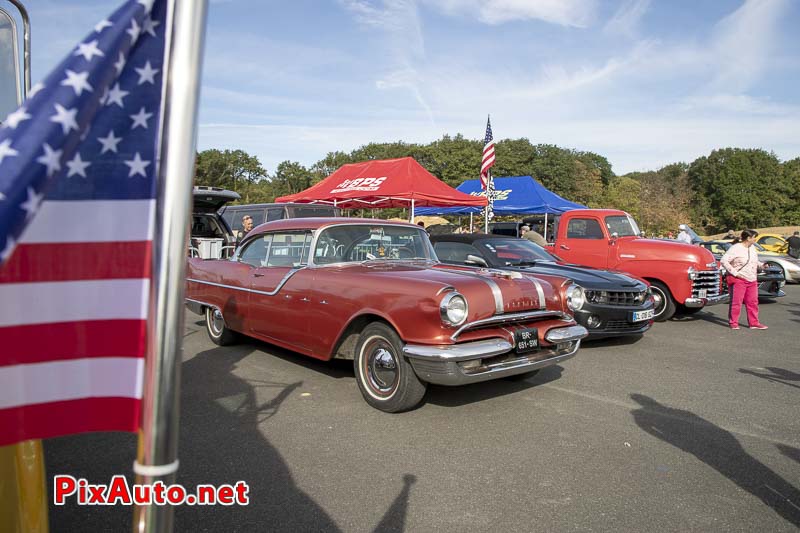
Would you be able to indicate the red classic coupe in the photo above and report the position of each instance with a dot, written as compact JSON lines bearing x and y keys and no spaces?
{"x":373,"y":291}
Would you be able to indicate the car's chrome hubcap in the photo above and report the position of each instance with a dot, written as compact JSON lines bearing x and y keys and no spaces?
{"x":382,"y":371}
{"x":216,"y":322}
{"x":658,"y":298}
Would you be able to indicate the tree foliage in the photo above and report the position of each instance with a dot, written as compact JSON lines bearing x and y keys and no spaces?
{"x":731,"y":188}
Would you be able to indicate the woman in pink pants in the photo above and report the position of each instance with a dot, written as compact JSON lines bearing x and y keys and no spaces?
{"x":741,"y":262}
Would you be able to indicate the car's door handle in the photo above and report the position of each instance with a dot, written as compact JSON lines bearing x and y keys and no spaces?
{"x":258,"y":275}
{"x":564,"y":247}
{"x":304,"y":299}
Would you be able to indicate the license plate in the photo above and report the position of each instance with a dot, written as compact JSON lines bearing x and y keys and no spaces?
{"x":638,"y":316}
{"x":702,"y":293}
{"x":527,"y":340}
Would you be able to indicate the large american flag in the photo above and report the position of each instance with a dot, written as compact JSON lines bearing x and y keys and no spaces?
{"x":488,"y":155}
{"x":78,"y":167}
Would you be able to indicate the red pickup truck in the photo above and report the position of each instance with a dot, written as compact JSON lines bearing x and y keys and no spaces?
{"x":683,"y":276}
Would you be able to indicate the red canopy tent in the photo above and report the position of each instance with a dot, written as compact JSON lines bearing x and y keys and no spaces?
{"x":384,"y":183}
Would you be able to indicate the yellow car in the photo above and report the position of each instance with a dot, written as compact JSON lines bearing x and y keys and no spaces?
{"x":772,"y":242}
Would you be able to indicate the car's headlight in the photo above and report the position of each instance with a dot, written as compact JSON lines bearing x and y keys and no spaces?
{"x":454,"y":309}
{"x":692,"y":273}
{"x":575,"y":297}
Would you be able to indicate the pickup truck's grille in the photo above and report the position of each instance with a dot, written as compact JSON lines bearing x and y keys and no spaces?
{"x":627,"y":298}
{"x":708,"y":280}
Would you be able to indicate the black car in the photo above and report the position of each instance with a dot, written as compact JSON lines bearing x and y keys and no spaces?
{"x":609,"y":304}
{"x":770,"y":279}
{"x":211,"y":237}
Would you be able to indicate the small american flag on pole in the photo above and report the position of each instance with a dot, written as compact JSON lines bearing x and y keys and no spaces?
{"x":78,"y":165}
{"x":488,"y":155}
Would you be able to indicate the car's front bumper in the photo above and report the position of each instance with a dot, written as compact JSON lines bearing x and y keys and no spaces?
{"x":614,"y":321}
{"x":702,"y":302}
{"x":483,"y":360}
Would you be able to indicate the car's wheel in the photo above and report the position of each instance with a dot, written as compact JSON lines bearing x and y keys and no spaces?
{"x":217,"y":331}
{"x":771,"y":265}
{"x":665,"y":304}
{"x":383,"y":374}
{"x":523,"y":376}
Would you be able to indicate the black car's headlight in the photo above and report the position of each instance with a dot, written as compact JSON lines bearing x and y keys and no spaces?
{"x":453,"y":309}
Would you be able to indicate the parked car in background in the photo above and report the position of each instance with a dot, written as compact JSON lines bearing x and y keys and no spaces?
{"x":772,"y":279}
{"x":268,"y":212}
{"x":683,"y":277}
{"x":210,"y":235}
{"x":772,"y":242}
{"x":609,"y":305}
{"x":373,"y":291}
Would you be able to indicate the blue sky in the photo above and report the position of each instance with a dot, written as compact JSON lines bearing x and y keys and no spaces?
{"x":642,"y":82}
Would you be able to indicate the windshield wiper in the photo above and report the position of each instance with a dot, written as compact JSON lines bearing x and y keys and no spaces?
{"x":523,"y":263}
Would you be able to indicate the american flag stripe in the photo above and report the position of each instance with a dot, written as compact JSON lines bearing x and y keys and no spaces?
{"x":32,"y":263}
{"x":91,"y":221}
{"x":79,"y":225}
{"x":74,"y":379}
{"x":60,"y":418}
{"x":66,"y":301}
{"x":61,"y":341}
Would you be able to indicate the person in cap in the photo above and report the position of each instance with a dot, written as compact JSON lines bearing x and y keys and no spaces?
{"x":794,"y":245}
{"x":527,"y":233}
{"x":683,"y":235}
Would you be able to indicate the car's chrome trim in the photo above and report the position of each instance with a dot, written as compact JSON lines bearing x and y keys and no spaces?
{"x":252,"y":291}
{"x":459,"y":352}
{"x":509,"y":319}
{"x":567,"y":334}
{"x":711,"y":300}
{"x":450,"y":372}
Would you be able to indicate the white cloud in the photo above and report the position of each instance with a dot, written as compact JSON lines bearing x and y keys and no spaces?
{"x":576,"y":13}
{"x":743,"y":42}
{"x":627,"y":18}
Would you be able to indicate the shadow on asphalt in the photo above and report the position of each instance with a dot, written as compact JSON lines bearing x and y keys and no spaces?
{"x":705,"y":316}
{"x":478,"y":392}
{"x":220,"y":442}
{"x":788,"y":451}
{"x":720,"y":450}
{"x":775,"y":375}
{"x":335,"y":368}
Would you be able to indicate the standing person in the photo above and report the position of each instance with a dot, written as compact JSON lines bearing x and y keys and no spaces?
{"x":683,"y":236}
{"x":526,"y":232}
{"x":247,"y":225}
{"x":741,"y":262}
{"x":794,"y":245}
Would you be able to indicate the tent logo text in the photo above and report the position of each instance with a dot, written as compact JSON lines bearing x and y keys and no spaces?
{"x":360,"y":184}
{"x":498,"y":194}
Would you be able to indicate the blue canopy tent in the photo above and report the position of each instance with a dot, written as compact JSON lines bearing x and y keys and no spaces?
{"x":517,"y":195}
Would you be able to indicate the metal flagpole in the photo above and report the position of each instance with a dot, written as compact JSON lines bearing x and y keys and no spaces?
{"x":158,"y":440}
{"x":545,"y":225}
{"x":412,"y":210}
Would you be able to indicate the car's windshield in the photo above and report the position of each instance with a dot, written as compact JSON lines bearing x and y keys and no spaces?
{"x":370,"y":242}
{"x":623,"y":226}
{"x":513,"y":252}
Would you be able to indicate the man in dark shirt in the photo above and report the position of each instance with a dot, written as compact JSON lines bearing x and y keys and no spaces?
{"x":794,"y":245}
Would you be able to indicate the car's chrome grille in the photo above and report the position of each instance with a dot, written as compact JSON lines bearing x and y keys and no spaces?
{"x":621,"y":298}
{"x":708,"y":280}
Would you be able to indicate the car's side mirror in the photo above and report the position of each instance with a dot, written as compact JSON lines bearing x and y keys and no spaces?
{"x":476,"y":260}
{"x":614,"y":237}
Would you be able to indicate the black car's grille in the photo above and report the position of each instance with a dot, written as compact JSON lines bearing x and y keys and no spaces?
{"x":626,"y":298}
{"x":708,"y":280}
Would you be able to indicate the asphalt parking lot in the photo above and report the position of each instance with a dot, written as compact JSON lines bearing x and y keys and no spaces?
{"x":692,"y":427}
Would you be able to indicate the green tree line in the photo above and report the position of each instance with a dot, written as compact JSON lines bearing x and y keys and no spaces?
{"x":729,"y":188}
